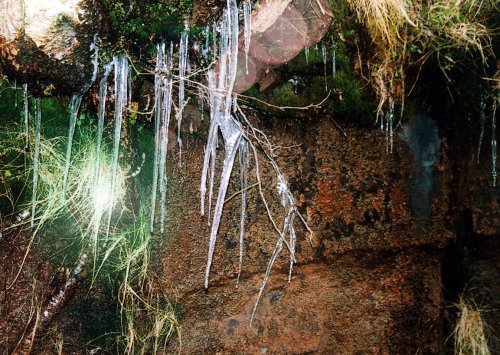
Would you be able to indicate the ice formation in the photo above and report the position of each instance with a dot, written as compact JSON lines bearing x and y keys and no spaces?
{"x":36,"y":157}
{"x":247,"y":21}
{"x":494,"y":145}
{"x":163,"y":108}
{"x":220,"y":83}
{"x":482,"y":119}
{"x":26,"y":114}
{"x":121,"y":97}
{"x":74,"y":107}
{"x":183,"y":63}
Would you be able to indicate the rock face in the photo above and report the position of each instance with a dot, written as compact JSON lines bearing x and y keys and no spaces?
{"x":371,"y":281}
{"x":43,"y":40}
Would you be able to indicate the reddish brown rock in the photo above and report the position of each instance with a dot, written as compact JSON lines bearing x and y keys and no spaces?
{"x":370,"y":283}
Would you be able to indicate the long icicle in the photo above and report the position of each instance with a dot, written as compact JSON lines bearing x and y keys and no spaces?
{"x":183,"y":59}
{"x":243,"y":160}
{"x":26,"y":114}
{"x":247,"y":21}
{"x":482,"y":119}
{"x":160,"y":58}
{"x":74,"y":107}
{"x":494,"y":142}
{"x":323,"y":53}
{"x":121,"y":96}
{"x":36,"y":157}
{"x":165,"y":122}
{"x":103,"y":90}
{"x":220,"y":114}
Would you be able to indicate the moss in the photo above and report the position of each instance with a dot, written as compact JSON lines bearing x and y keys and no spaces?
{"x":303,"y":83}
{"x":132,"y":24}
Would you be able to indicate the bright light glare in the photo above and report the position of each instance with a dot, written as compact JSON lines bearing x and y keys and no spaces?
{"x":102,"y":196}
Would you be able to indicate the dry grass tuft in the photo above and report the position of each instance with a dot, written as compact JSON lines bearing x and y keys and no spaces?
{"x":384,"y":18}
{"x":470,"y":330}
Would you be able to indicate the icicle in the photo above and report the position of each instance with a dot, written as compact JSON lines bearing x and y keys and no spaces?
{"x":243,"y":160}
{"x":95,"y":60}
{"x":306,"y":52}
{"x":201,"y":100}
{"x":36,"y":157}
{"x":103,"y":91}
{"x":15,"y":94}
{"x":166,"y":108}
{"x":214,"y":40}
{"x":160,"y":58}
{"x":121,"y":78}
{"x":163,"y":108}
{"x":220,"y":96}
{"x":288,"y":204}
{"x":334,"y":60}
{"x":26,"y":114}
{"x":494,"y":144}
{"x":129,"y":88}
{"x":183,"y":54}
{"x":74,"y":106}
{"x":323,"y":53}
{"x":482,"y":119}
{"x":391,"y":123}
{"x":387,"y":125}
{"x":205,"y":51}
{"x":247,"y":20}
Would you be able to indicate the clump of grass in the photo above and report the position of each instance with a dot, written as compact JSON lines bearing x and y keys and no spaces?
{"x":87,"y":192}
{"x":148,"y":319}
{"x":384,"y":18}
{"x":408,"y":33}
{"x":470,"y":331}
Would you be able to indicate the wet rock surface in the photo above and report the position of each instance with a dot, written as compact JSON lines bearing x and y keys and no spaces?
{"x":370,"y":282}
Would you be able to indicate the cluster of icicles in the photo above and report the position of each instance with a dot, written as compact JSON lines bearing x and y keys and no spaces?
{"x":227,"y":120}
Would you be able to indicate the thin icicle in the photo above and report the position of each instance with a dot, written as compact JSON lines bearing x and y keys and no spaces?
{"x":482,"y":119}
{"x":214,"y":40}
{"x":26,"y":114}
{"x":121,"y":96}
{"x":391,"y":123}
{"x":166,"y":91}
{"x":205,"y":50}
{"x":277,"y":249}
{"x":15,"y":94}
{"x":183,"y":54}
{"x":74,"y":106}
{"x":95,"y":61}
{"x":247,"y":20}
{"x":129,"y":88}
{"x":494,"y":143}
{"x":381,"y":118}
{"x":334,"y":61}
{"x":243,"y":162}
{"x":160,"y":58}
{"x":288,"y":204}
{"x":323,"y":53}
{"x":103,"y":90}
{"x":163,"y":108}
{"x":36,"y":157}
